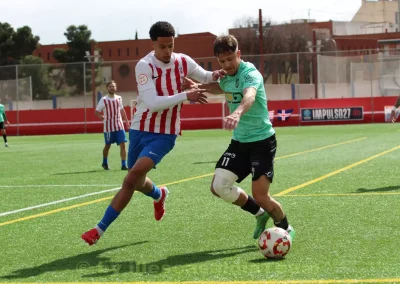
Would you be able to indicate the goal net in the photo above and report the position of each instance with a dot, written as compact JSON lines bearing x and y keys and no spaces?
{"x":16,"y":90}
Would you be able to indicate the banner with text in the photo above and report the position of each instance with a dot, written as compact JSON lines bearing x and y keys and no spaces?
{"x":332,"y":114}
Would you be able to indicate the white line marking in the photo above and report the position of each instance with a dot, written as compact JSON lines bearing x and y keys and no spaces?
{"x":57,"y":202}
{"x":55,"y":185}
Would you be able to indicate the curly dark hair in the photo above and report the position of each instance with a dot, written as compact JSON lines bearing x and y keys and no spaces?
{"x":161,"y":29}
{"x":225,"y":44}
{"x":110,"y":82}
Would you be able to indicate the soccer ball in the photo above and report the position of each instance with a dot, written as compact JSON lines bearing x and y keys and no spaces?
{"x":274,"y":243}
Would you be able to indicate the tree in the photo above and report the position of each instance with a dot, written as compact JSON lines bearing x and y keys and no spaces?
{"x":14,"y":46}
{"x":79,"y":41}
{"x":136,"y":35}
{"x":277,"y":39}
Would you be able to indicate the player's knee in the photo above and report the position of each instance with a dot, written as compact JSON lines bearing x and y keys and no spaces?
{"x":262,"y":198}
{"x":134,"y":178}
{"x":222,"y":185}
{"x":212,"y":188}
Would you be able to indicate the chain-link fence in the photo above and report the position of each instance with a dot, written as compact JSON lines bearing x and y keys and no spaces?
{"x":292,"y":77}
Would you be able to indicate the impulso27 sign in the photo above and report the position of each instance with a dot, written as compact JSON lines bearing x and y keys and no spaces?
{"x":332,"y":114}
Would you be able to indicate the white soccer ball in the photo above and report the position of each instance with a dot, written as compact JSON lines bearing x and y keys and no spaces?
{"x":274,"y":243}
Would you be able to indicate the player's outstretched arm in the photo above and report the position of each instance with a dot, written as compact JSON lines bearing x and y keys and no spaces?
{"x":214,"y":89}
{"x":232,"y":120}
{"x":196,"y":72}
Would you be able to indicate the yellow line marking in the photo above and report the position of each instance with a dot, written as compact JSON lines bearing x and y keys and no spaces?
{"x":291,"y":189}
{"x":175,"y":182}
{"x":86,"y":203}
{"x":330,"y":281}
{"x":53,"y":211}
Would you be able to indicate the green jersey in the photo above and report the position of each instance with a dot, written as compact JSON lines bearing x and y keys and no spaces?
{"x":3,"y":116}
{"x":254,"y":125}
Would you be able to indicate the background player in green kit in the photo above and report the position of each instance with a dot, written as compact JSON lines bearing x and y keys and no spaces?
{"x":253,"y":145}
{"x":3,"y":120}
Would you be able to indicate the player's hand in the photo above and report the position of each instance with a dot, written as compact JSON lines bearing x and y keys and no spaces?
{"x":231,"y":121}
{"x":8,"y":123}
{"x":196,"y":95}
{"x":393,"y":115}
{"x":189,"y":84}
{"x":127,"y":125}
{"x":218,"y":74}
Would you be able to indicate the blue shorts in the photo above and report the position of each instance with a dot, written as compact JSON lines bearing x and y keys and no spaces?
{"x":115,"y":137}
{"x":148,"y":144}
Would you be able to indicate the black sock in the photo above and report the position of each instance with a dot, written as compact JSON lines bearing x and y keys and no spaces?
{"x":5,"y":138}
{"x":283,"y":224}
{"x":251,"y":206}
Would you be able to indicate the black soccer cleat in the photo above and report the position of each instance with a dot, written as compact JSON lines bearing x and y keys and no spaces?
{"x":105,"y":166}
{"x":124,"y":168}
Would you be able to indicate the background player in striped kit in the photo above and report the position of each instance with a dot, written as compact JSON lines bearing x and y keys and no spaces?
{"x":110,"y":110}
{"x":156,"y":122}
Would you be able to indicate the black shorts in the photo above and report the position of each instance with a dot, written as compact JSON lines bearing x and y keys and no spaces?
{"x":256,"y":158}
{"x":2,"y":125}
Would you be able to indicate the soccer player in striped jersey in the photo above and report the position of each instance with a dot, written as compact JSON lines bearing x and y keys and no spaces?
{"x":110,"y":110}
{"x":156,"y":122}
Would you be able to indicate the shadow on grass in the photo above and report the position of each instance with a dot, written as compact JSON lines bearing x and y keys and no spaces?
{"x":263,"y":260}
{"x":379,"y":189}
{"x":159,"y":266}
{"x":78,"y":262}
{"x":200,"y":163}
{"x":76,"y":173}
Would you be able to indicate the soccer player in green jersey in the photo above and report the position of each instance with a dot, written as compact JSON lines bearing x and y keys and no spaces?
{"x":253,"y":145}
{"x":3,"y":120}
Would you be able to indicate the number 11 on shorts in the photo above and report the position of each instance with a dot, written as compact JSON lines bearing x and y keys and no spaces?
{"x":225,"y":161}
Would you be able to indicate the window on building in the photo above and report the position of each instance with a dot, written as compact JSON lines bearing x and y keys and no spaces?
{"x":40,"y":55}
{"x":127,"y":51}
{"x":201,"y":64}
{"x":109,"y":53}
{"x":137,"y":51}
{"x":209,"y":66}
{"x":119,"y":52}
{"x":48,"y":55}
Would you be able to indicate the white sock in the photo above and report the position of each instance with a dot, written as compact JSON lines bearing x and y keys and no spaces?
{"x":260,"y":212}
{"x":100,"y":231}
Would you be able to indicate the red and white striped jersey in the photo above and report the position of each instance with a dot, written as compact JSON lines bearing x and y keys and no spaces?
{"x":166,"y":80}
{"x":111,"y":108}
